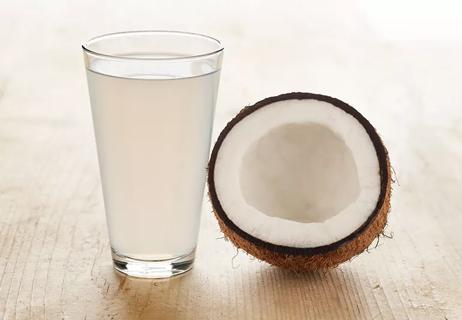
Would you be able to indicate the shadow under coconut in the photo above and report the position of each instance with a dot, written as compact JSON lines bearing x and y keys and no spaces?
{"x":332,"y":294}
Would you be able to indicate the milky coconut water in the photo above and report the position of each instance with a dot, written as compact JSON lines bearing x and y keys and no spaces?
{"x":153,"y":137}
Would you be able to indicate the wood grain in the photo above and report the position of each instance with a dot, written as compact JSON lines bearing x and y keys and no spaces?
{"x":54,"y":253}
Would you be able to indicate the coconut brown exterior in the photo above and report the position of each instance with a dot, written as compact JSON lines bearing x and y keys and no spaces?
{"x":306,"y":259}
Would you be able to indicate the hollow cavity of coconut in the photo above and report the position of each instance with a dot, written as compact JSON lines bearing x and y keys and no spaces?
{"x":301,"y":181}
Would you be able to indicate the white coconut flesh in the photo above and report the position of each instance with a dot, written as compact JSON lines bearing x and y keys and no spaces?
{"x":298,"y":173}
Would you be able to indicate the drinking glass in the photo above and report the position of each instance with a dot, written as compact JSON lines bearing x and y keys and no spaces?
{"x":153,"y":97}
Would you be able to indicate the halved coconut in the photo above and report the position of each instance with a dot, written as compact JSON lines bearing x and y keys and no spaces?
{"x":301,"y":181}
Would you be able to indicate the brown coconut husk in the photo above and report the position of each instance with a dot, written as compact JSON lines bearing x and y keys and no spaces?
{"x":305,"y":259}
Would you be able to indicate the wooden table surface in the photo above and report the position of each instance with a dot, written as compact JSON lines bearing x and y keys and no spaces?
{"x":401,"y":71}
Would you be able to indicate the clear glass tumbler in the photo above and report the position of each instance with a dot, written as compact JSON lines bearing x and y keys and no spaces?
{"x":153,"y":97}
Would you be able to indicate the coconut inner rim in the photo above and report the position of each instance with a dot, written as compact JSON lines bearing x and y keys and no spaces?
{"x":333,"y":216}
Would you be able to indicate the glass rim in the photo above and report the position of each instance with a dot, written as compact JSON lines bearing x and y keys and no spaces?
{"x":86,"y":44}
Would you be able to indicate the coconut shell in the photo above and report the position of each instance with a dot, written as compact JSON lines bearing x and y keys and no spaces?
{"x":307,"y":259}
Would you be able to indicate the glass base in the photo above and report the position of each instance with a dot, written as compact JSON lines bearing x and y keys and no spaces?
{"x":156,"y":269}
